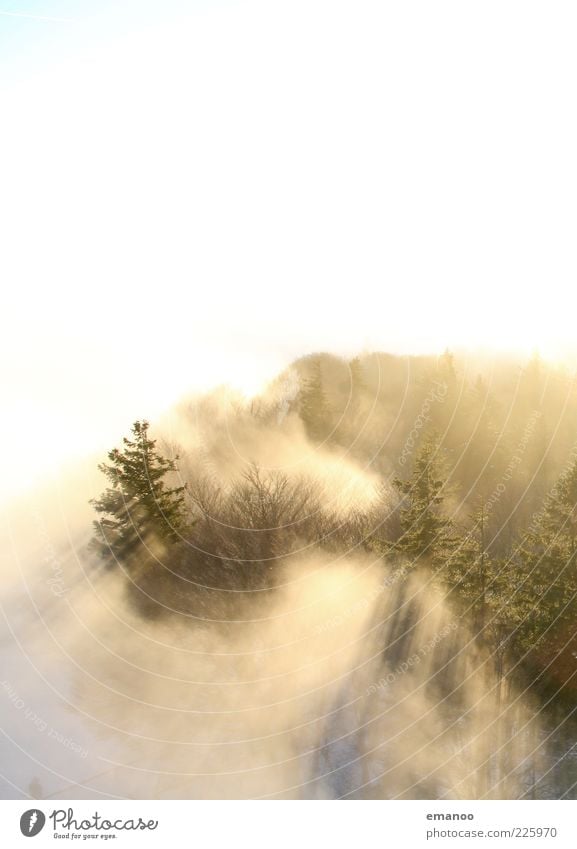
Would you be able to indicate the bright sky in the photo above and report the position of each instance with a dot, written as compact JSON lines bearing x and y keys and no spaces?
{"x":193,"y":192}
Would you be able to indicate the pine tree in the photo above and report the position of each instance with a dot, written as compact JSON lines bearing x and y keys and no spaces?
{"x":544,"y":574}
{"x":471,"y":573}
{"x":427,"y":535}
{"x":352,"y":421}
{"x":358,"y":384}
{"x":445,"y":416}
{"x":358,"y":388}
{"x":137,"y":508}
{"x":482,"y":451}
{"x":313,"y":404}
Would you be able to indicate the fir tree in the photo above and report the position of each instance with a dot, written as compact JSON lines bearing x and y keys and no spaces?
{"x":358,"y":388}
{"x":471,"y":573}
{"x":358,"y":384}
{"x":313,"y":404}
{"x":137,"y":507}
{"x":544,"y":573}
{"x":427,"y":535}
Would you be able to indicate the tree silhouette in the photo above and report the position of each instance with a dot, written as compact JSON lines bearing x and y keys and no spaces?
{"x":427,"y":535}
{"x":137,"y":508}
{"x":313,"y":405}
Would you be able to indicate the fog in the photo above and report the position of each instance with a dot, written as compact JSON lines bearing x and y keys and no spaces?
{"x":347,"y":677}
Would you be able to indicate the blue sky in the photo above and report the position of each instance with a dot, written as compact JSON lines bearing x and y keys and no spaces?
{"x":37,"y":34}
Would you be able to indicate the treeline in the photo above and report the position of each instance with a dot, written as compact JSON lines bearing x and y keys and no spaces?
{"x":478,"y":471}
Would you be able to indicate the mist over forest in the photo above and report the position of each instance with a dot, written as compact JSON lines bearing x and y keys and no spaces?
{"x":360,"y":583}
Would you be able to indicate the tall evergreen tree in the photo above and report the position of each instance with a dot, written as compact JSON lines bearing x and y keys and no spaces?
{"x":352,"y":421}
{"x":358,"y":384}
{"x":137,"y":507}
{"x":427,"y":534}
{"x":444,"y":415}
{"x":358,"y":387}
{"x":544,"y":574}
{"x":471,"y":573}
{"x":481,"y":452}
{"x":313,"y":403}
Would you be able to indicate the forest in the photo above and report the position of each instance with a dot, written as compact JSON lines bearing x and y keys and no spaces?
{"x":452,"y":479}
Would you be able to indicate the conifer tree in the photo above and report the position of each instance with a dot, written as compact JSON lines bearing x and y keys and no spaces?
{"x":544,"y":574}
{"x":427,"y":535}
{"x":313,"y":404}
{"x":357,"y":390}
{"x":358,"y":384}
{"x":137,"y":507}
{"x":471,"y":573}
{"x":482,"y":451}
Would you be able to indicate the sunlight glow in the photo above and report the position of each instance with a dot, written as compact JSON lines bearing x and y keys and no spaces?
{"x":204,"y":196}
